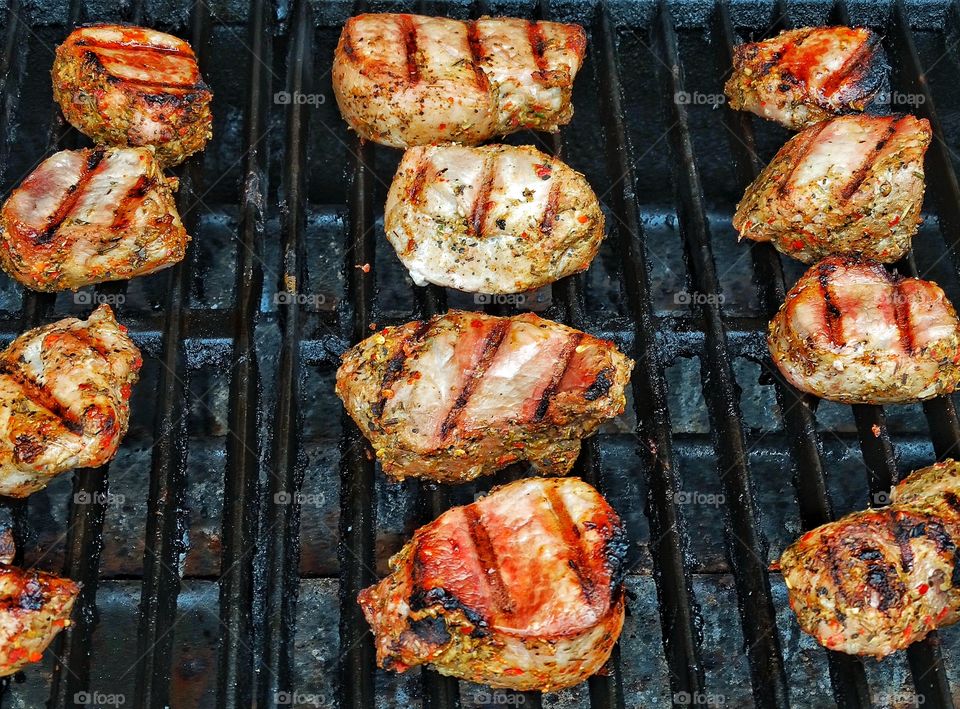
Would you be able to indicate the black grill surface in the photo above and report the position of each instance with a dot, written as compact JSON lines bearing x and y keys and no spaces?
{"x":221,"y":551}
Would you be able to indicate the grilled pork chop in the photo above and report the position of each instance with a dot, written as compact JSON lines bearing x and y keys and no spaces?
{"x":88,"y":216}
{"x":876,"y":581}
{"x":64,"y":399}
{"x":405,"y":80}
{"x":466,"y":394}
{"x":803,"y":76}
{"x":520,"y":589}
{"x":495,"y":219}
{"x":133,"y":86}
{"x":34,"y":607}
{"x":850,"y":331}
{"x":852,"y":185}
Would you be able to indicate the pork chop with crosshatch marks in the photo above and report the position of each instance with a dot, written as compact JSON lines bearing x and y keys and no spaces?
{"x":494,"y":219}
{"x":806,"y":75}
{"x":405,"y":80}
{"x":89,"y":216}
{"x":64,"y":399}
{"x":848,"y":186}
{"x":521,"y":589}
{"x":34,"y":607}
{"x":124,"y":85}
{"x":879,"y":580}
{"x":466,"y":394}
{"x":851,"y":331}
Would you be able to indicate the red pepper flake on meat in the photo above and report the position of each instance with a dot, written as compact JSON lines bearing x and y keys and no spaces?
{"x":543,"y":171}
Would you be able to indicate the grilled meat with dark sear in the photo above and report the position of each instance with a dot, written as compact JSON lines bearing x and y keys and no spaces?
{"x":850,"y":331}
{"x":520,"y":589}
{"x":88,"y":216}
{"x":64,"y":399}
{"x":466,"y":394}
{"x":405,"y":80}
{"x":852,"y":185}
{"x":34,"y":607}
{"x":133,"y":86}
{"x":494,"y":219}
{"x":876,"y":581}
{"x":803,"y":76}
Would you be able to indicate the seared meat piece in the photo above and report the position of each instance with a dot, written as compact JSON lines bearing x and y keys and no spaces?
{"x":34,"y":607}
{"x":852,"y":185}
{"x":88,"y":216}
{"x":520,"y":589}
{"x":133,"y":86}
{"x":64,"y":399}
{"x":496,"y":219}
{"x":876,"y":581}
{"x":405,"y":80}
{"x":806,"y":75}
{"x":466,"y":394}
{"x":850,"y":331}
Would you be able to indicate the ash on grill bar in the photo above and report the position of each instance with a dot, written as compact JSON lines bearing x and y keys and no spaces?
{"x":495,"y":463}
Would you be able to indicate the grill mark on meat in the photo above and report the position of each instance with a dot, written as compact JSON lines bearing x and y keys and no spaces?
{"x":490,"y":346}
{"x":26,"y":449}
{"x":902,"y":536}
{"x":935,"y":531}
{"x":409,"y":29}
{"x":901,"y":314}
{"x":489,"y":563}
{"x":799,"y":156}
{"x":127,"y":207}
{"x":600,"y":386}
{"x":550,"y":209}
{"x":395,"y":366}
{"x":833,"y":557}
{"x":952,"y":500}
{"x":481,"y":202}
{"x":477,"y":56}
{"x":120,"y":46}
{"x":85,"y":339}
{"x":832,"y":316}
{"x":882,"y":579}
{"x":74,"y":193}
{"x":43,"y":399}
{"x":538,"y":46}
{"x":418,"y":182}
{"x":151,"y":84}
{"x":421,"y":599}
{"x":563,"y":363}
{"x":574,"y":541}
{"x":860,"y":174}
{"x":860,"y":57}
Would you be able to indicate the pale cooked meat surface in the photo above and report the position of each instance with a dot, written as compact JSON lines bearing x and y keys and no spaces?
{"x":492,"y":219}
{"x":520,"y":589}
{"x":125,"y":85}
{"x":34,"y":607}
{"x":803,"y":76}
{"x":88,"y":216}
{"x":466,"y":394}
{"x":850,"y":331}
{"x":879,"y":580}
{"x":64,"y":399}
{"x":848,"y":186}
{"x":405,"y":80}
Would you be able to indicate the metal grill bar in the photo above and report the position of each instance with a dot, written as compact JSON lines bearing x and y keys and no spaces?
{"x":797,"y":409}
{"x":240,"y":509}
{"x":679,"y":613}
{"x":746,"y":545}
{"x":166,"y":513}
{"x":283,"y":518}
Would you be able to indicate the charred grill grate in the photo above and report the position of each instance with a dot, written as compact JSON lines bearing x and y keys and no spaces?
{"x":244,"y":511}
